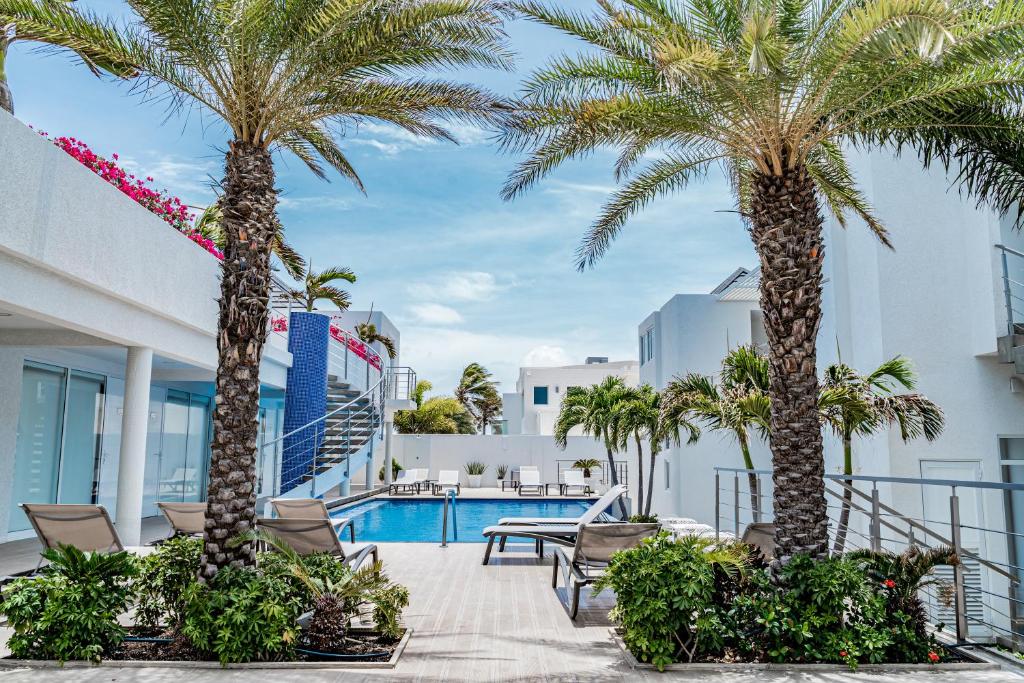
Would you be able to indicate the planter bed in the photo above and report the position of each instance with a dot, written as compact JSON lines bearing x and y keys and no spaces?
{"x":726,"y":667}
{"x":132,"y":649}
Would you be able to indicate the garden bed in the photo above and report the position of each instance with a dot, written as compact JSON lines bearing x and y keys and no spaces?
{"x":159,"y":654}
{"x":962,"y":664}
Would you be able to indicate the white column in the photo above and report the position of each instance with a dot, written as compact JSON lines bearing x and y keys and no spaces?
{"x":387,"y":453}
{"x":131,"y":472}
{"x":369,"y":466}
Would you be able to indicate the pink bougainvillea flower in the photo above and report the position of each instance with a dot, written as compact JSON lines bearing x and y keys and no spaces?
{"x":933,"y":656}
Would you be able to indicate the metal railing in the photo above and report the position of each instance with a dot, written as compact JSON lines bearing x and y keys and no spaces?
{"x":981,"y":597}
{"x":402,"y":382}
{"x":1013,"y":288}
{"x":449,"y":494}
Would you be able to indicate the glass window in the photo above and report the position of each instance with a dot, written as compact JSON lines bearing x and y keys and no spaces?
{"x":643,"y":353}
{"x":668,"y":475}
{"x":650,"y":343}
{"x":540,"y":396}
{"x":83,"y":431}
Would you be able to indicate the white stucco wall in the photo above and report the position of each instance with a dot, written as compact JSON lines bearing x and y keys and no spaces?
{"x":540,"y":419}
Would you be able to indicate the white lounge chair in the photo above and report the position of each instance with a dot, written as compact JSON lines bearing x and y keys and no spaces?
{"x":186,"y":519}
{"x":530,"y":479}
{"x":594,"y":547}
{"x":308,"y":536}
{"x":408,"y":481}
{"x":574,"y":479}
{"x":560,"y":531}
{"x":447,"y":479}
{"x":311,"y":508}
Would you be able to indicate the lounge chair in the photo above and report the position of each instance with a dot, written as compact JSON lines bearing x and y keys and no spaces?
{"x":574,"y":479}
{"x":446,"y":479}
{"x":559,"y":531}
{"x":589,"y":557}
{"x":311,"y":508}
{"x":308,"y":536}
{"x":186,"y":519}
{"x":761,"y":535}
{"x":530,"y":479}
{"x":408,"y":480}
{"x":86,"y":527}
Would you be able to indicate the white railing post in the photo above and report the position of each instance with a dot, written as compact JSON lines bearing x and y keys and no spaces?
{"x":959,"y":593}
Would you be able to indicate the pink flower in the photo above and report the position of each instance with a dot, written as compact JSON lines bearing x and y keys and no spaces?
{"x":889,"y":583}
{"x":933,"y":657}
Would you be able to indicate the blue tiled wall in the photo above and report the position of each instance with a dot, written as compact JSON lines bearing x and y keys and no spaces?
{"x":306,"y":394}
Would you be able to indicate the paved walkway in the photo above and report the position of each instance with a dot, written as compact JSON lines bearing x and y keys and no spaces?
{"x":502,"y":622}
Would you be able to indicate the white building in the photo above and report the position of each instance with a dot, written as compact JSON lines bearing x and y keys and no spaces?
{"x":108,"y":321}
{"x":533,"y":408}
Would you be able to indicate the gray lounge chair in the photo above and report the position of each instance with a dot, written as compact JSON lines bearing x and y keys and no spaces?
{"x":86,"y":527}
{"x":311,"y":508}
{"x":559,"y":531}
{"x":761,"y":535}
{"x":308,"y":536}
{"x":589,"y":557}
{"x":186,"y":519}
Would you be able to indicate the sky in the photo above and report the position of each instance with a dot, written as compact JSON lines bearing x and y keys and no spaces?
{"x":464,"y":275}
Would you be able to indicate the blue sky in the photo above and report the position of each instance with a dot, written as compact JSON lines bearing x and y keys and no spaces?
{"x":464,"y":275}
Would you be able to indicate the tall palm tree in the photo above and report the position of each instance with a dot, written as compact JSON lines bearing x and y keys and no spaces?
{"x":317,"y":286}
{"x":478,"y":393}
{"x":593,"y":409}
{"x":877,"y":408}
{"x":59,"y":26}
{"x":775,"y":92}
{"x":294,"y":75}
{"x":638,"y":416}
{"x":208,"y":225}
{"x":435,"y":415}
{"x":738,"y":404}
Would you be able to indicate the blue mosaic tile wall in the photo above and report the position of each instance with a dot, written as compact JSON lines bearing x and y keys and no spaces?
{"x":306,"y":394}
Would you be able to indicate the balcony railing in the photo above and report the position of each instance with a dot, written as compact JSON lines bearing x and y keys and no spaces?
{"x":1012,"y":266}
{"x":401,"y":383}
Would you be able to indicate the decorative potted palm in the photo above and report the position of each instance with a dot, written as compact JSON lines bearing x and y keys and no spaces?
{"x":475,"y":470}
{"x":588,"y":465}
{"x":501,"y":470}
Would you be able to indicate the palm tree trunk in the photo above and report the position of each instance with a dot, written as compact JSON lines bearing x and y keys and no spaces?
{"x":650,"y":480}
{"x":614,"y":476}
{"x":249,"y":224}
{"x":753,"y":486}
{"x":786,"y":230}
{"x":639,"y":476}
{"x":6,"y":98}
{"x":844,"y":514}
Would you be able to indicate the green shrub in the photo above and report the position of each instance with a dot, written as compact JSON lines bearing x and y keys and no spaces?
{"x":666,"y":596}
{"x":474,"y":468}
{"x":243,"y":615}
{"x":643,"y":519}
{"x":164,"y":576}
{"x":71,"y":610}
{"x":395,"y":469}
{"x":388,"y":603}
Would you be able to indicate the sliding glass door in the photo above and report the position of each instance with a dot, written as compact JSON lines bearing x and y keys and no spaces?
{"x":60,"y":425}
{"x":184,"y":447}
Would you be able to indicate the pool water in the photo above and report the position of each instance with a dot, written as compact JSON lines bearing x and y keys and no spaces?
{"x":419,"y":520}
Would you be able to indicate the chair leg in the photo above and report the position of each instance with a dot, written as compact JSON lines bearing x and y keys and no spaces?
{"x":490,"y":544}
{"x":554,"y":571}
{"x":352,"y":531}
{"x":501,"y":544}
{"x":376,"y":557}
{"x":576,"y":588}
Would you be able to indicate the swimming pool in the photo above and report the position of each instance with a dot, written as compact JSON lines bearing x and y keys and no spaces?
{"x":418,"y":520}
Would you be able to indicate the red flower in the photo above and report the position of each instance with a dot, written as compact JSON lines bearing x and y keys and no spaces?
{"x":843,"y":653}
{"x":889,"y":583}
{"x":933,"y":656}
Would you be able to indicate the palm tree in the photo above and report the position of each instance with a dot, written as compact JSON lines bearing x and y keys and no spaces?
{"x":877,"y":407}
{"x":738,"y":404}
{"x":318,"y":286}
{"x":293,"y":76}
{"x":58,"y":25}
{"x":593,"y":409}
{"x":478,"y":393}
{"x":638,"y":416}
{"x":208,"y":225}
{"x":435,"y":415}
{"x":367,"y":333}
{"x":775,"y":92}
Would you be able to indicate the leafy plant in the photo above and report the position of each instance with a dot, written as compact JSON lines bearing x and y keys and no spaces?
{"x":643,"y":519}
{"x":435,"y":415}
{"x":396,"y":467}
{"x":587,"y":464}
{"x":388,"y":603}
{"x":317,"y":286}
{"x":501,"y":471}
{"x":243,"y":615}
{"x":71,"y":611}
{"x":474,"y":468}
{"x":164,"y":576}
{"x":666,"y":596}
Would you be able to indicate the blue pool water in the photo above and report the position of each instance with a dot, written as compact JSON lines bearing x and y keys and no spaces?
{"x":419,"y":520}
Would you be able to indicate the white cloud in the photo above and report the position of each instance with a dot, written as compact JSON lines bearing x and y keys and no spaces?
{"x":392,"y":140}
{"x":458,"y":286}
{"x":435,"y":314}
{"x":188,"y":179}
{"x":545,"y":356}
{"x":314,"y":202}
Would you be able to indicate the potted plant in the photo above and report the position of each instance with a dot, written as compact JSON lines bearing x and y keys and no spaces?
{"x":502,"y":470}
{"x":475,"y":470}
{"x":588,"y":465}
